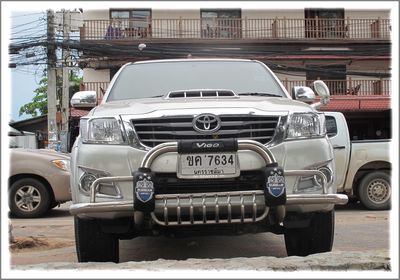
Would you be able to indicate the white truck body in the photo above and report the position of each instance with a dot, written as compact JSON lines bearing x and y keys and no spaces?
{"x":269,"y":162}
{"x":356,"y":159}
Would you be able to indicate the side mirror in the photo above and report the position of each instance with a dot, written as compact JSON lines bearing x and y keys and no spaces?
{"x":304,"y":94}
{"x":84,"y":99}
{"x":323,"y":91}
{"x":321,"y":88}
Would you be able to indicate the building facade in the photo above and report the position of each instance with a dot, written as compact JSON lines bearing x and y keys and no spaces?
{"x":349,"y":49}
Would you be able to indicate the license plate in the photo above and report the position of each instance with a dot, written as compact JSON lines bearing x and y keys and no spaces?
{"x":209,"y":165}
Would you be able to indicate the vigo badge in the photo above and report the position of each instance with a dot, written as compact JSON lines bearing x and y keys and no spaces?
{"x":144,"y":190}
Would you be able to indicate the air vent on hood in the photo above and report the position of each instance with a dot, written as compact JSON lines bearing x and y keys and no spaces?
{"x":202,"y":93}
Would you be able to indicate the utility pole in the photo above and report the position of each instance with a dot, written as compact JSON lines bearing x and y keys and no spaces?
{"x":51,"y":83}
{"x":65,"y":73}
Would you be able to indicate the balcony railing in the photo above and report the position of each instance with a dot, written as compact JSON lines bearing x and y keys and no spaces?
{"x":244,"y":28}
{"x":350,"y":87}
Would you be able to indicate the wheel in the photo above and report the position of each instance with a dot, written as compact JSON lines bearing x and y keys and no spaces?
{"x":316,"y":238}
{"x":28,"y":198}
{"x":92,"y":244}
{"x":374,"y":191}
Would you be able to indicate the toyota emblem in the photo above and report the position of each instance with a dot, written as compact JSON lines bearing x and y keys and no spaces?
{"x":206,"y":123}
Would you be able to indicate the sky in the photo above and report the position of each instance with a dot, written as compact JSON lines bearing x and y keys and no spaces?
{"x":22,"y":86}
{"x":24,"y":80}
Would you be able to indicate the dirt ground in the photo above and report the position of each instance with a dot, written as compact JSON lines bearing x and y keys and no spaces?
{"x":51,"y":239}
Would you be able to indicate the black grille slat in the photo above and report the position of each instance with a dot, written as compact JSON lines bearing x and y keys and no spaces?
{"x":165,"y":124}
{"x":203,"y":137}
{"x":168,"y":183}
{"x":154,"y":131}
{"x":220,"y":132}
{"x":234,"y":123}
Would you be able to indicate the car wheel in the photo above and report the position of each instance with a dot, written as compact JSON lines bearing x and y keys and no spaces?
{"x":92,"y":244}
{"x":28,"y":198}
{"x":375,"y":190}
{"x":316,"y":238}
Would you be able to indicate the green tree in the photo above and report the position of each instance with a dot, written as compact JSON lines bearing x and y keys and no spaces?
{"x":38,"y":105}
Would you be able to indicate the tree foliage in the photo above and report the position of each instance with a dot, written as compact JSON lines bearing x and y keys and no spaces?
{"x":38,"y":105}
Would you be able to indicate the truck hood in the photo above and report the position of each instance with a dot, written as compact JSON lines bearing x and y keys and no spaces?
{"x":149,"y":105}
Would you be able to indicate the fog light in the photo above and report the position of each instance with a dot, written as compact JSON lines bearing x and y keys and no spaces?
{"x":86,"y":181}
{"x":328,"y":174}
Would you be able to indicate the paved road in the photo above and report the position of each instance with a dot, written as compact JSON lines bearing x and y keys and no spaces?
{"x":356,"y":230}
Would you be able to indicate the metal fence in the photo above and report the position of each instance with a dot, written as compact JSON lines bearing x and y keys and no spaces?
{"x":379,"y":87}
{"x":243,"y":28}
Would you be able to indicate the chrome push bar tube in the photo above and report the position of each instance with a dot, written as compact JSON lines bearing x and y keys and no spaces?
{"x":97,"y":182}
{"x":173,"y":147}
{"x":168,"y":147}
{"x":158,"y":150}
{"x":251,"y":145}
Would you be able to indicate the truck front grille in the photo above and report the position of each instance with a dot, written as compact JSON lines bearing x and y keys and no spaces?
{"x":154,"y":131}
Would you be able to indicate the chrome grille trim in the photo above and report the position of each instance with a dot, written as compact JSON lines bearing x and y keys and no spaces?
{"x":183,"y":132}
{"x":153,"y":131}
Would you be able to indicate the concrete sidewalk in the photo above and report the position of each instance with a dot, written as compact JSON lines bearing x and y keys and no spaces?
{"x":333,"y":261}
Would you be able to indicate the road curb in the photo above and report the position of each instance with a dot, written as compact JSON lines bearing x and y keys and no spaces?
{"x":332,"y":261}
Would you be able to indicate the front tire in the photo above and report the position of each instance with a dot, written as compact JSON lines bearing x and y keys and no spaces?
{"x":375,"y":190}
{"x":92,"y":244}
{"x":28,"y":198}
{"x":316,"y":238}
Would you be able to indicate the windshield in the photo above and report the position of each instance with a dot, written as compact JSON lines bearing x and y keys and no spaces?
{"x":160,"y":78}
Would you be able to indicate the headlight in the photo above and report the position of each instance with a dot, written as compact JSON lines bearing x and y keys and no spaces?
{"x":306,"y":125}
{"x":101,"y":131}
{"x":132,"y":136}
{"x":62,"y":164}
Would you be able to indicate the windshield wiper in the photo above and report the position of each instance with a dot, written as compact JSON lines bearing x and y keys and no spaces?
{"x":155,"y":96}
{"x":259,"y":94}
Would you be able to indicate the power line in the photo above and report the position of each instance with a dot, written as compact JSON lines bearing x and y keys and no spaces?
{"x":24,"y":15}
{"x":27,"y":23}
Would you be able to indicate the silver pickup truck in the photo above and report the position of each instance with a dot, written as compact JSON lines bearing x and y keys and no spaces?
{"x":363,"y":167}
{"x":202,"y":147}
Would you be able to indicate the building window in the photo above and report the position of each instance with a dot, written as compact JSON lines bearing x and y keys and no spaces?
{"x":134,"y":23}
{"x":333,"y":75}
{"x":324,"y":23}
{"x":221,"y":23}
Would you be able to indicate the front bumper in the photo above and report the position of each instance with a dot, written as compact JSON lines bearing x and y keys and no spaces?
{"x":169,"y":203}
{"x":207,"y":208}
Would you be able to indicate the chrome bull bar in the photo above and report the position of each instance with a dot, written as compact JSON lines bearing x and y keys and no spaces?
{"x":223,"y":201}
{"x":223,"y":207}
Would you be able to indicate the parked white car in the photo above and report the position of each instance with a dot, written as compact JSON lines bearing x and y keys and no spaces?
{"x":363,"y":167}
